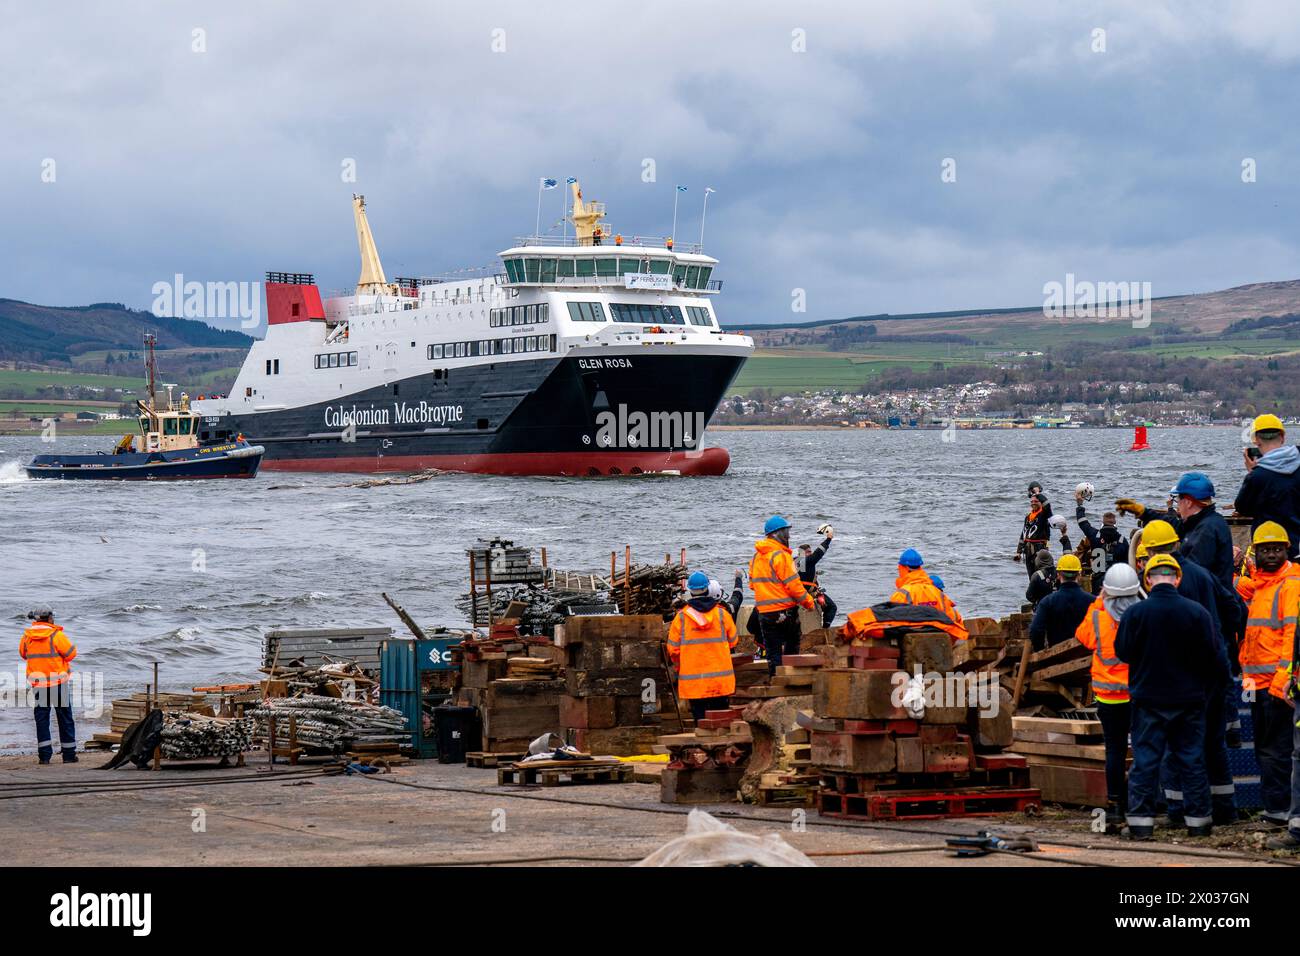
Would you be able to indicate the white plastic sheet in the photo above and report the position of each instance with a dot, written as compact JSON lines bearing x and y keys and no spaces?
{"x":709,"y":841}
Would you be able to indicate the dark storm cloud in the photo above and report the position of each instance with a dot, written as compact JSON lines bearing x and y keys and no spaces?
{"x":1122,"y":165}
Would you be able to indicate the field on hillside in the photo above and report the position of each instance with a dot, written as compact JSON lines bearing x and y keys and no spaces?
{"x":28,"y":380}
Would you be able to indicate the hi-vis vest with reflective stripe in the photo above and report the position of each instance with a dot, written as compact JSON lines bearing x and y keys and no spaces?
{"x":47,"y":651}
{"x":915,"y":587}
{"x":774,"y":580}
{"x":1109,"y":673}
{"x":700,"y":643}
{"x":1270,"y":626}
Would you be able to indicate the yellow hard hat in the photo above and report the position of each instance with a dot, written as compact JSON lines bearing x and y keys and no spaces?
{"x":1270,"y":532}
{"x":1266,"y":423}
{"x":1158,"y":534}
{"x":1140,"y":551}
{"x":1162,"y":561}
{"x":1069,"y":563}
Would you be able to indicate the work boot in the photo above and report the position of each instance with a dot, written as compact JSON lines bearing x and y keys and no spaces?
{"x":1203,"y":830}
{"x":1138,"y":834}
{"x":1114,"y":817}
{"x":1176,"y":819}
{"x":43,"y":760}
{"x":1289,"y":841}
{"x":1225,"y":816}
{"x":1272,"y":823}
{"x":70,"y":757}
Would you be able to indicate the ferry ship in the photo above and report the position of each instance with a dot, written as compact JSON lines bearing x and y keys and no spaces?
{"x":591,"y":354}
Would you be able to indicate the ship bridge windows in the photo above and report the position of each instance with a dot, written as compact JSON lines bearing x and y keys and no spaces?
{"x":586,"y":311}
{"x":606,"y":267}
{"x":647,"y":314}
{"x":699,"y":316}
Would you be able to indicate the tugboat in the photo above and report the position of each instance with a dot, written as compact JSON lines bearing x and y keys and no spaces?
{"x":167,"y":448}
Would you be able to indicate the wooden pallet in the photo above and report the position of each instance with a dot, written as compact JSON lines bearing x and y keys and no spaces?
{"x":552,"y":776}
{"x":920,"y":805}
{"x":861,"y":783}
{"x":490,"y":761}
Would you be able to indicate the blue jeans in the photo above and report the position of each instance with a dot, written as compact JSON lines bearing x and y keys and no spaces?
{"x":1179,"y":732}
{"x":1222,"y":791}
{"x":57,"y":700}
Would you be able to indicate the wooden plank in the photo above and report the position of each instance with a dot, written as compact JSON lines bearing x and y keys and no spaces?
{"x":1058,"y":654}
{"x":1072,"y":673}
{"x":1083,"y":751}
{"x":1058,"y":725}
{"x":1072,"y":786}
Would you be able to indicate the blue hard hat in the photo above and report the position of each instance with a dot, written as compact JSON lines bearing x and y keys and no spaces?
{"x":775,"y":523}
{"x":1194,"y":484}
{"x":698,"y":581}
{"x":938,"y":581}
{"x":911,"y":558}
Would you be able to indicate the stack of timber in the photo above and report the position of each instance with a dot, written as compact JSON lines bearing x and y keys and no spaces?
{"x":189,"y":736}
{"x":793,"y":677}
{"x":1056,"y":679}
{"x":1067,"y":758}
{"x":877,"y":761}
{"x":706,"y":765}
{"x":127,"y":710}
{"x":517,"y":710}
{"x":614,"y":683}
{"x":328,"y":725}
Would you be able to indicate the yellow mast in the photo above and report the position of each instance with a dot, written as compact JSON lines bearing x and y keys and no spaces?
{"x":586,"y":217}
{"x":372,"y":281}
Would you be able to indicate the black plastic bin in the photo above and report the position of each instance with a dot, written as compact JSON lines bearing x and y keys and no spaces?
{"x":458,"y":731}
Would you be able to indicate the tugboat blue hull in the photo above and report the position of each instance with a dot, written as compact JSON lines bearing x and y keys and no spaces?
{"x":229,"y":460}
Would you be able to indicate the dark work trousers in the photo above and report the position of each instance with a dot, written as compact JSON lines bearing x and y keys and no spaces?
{"x":1115,"y":720}
{"x":59,"y":700}
{"x":700,"y":704}
{"x":1295,"y":781}
{"x":1222,"y":792}
{"x":1031,"y":549}
{"x":1179,"y":731}
{"x":780,"y":636}
{"x":1274,"y":741}
{"x":1232,"y":709}
{"x":829,"y":608}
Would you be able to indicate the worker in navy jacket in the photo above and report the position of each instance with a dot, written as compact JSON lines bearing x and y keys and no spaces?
{"x":1206,"y":538}
{"x":1059,"y":615}
{"x":1271,"y":489}
{"x":1169,"y":644}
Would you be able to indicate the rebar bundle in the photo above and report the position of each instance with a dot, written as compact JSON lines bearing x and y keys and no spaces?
{"x":186,"y":736}
{"x":330,"y":723}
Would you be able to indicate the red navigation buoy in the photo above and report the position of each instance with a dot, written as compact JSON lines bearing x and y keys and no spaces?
{"x":1140,"y":438}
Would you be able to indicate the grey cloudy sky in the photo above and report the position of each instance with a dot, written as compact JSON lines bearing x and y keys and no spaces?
{"x":1121,"y":165}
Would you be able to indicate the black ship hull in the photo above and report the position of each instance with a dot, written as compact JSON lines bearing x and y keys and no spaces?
{"x":599,"y":415}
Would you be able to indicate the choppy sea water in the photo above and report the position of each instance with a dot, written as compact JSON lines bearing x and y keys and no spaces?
{"x":192,"y":574}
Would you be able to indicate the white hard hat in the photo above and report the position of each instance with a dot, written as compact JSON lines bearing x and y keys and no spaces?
{"x":1057,"y":521}
{"x":824,"y":529}
{"x":1121,"y":581}
{"x":1084,"y":489}
{"x":715,"y":590}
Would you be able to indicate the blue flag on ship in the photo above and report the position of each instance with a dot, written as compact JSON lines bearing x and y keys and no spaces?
{"x":571,"y":180}
{"x":549,"y":183}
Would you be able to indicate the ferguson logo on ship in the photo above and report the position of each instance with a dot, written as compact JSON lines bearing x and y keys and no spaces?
{"x":402,"y":414}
